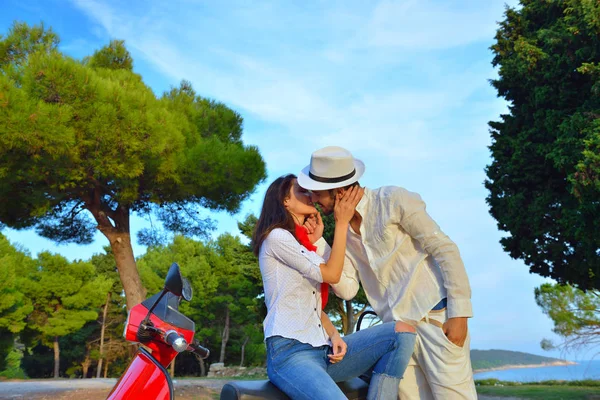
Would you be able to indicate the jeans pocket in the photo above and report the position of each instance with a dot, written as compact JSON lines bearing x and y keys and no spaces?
{"x":278,"y":344}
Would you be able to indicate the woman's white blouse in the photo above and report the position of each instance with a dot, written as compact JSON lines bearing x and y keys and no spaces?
{"x":292,"y":282}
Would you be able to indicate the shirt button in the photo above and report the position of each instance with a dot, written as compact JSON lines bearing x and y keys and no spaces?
{"x":319,"y":325}
{"x":314,"y":292}
{"x":315,"y":308}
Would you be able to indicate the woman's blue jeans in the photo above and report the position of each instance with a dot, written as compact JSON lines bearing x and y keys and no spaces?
{"x":304,"y":372}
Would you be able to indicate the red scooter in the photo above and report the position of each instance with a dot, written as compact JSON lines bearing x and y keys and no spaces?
{"x":157,"y":324}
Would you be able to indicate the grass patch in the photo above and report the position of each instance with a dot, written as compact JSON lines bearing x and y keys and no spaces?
{"x":547,"y":390}
{"x":497,"y":382}
{"x":542,"y":392}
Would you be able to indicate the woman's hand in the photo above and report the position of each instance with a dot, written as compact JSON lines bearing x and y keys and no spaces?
{"x":339,"y":348}
{"x":346,"y":204}
{"x":314,"y":226}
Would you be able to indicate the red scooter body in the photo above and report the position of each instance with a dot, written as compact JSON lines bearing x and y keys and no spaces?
{"x":165,"y":332}
{"x":143,"y":379}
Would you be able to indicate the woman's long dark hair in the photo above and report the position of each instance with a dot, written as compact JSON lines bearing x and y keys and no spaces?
{"x":274,"y":214}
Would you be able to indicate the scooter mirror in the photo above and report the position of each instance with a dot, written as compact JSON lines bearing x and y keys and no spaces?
{"x":174,"y":281}
{"x":186,"y":291}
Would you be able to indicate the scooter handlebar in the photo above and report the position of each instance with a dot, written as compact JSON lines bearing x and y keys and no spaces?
{"x":198,"y":349}
{"x":175,"y":340}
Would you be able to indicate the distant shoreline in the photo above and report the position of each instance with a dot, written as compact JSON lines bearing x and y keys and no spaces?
{"x":546,"y":364}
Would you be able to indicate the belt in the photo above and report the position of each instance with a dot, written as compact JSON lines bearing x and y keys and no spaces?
{"x":438,"y":307}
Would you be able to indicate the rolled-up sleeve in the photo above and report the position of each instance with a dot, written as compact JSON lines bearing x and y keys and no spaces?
{"x":420,"y":226}
{"x":348,"y":285}
{"x":281,"y":245}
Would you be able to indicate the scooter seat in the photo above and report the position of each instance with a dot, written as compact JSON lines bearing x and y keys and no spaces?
{"x":354,"y":389}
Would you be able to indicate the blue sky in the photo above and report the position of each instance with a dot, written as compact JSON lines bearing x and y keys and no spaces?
{"x":402,"y":84}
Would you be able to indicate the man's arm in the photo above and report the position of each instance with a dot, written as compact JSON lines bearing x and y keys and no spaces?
{"x":348,"y":285}
{"x":420,"y":226}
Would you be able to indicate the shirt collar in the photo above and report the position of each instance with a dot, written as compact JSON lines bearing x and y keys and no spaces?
{"x":362,"y":205}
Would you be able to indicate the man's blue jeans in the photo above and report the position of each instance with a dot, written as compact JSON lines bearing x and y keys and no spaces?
{"x":304,"y":372}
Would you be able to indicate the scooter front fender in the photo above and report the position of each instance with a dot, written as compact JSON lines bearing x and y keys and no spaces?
{"x":145,"y":378}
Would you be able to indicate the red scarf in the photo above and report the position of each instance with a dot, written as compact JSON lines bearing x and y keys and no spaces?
{"x":302,"y":236}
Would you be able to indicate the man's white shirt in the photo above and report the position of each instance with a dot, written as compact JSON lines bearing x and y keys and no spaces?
{"x":404,"y":261}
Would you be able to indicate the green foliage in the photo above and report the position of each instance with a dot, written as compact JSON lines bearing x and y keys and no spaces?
{"x":191,"y":255}
{"x":69,"y":128}
{"x":14,"y":306}
{"x":329,"y":230}
{"x":498,"y":382}
{"x":113,"y":56}
{"x":7,"y":340}
{"x":544,"y":179}
{"x":247,"y":226}
{"x":574,"y":313}
{"x":38,"y":361}
{"x":66,"y":295}
{"x":21,"y":41}
{"x":240,"y":291}
{"x":484,"y":359}
{"x":224,"y":275}
{"x":85,"y":144}
{"x":13,"y":366}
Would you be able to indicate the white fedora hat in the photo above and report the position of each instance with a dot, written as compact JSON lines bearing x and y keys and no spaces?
{"x":330,"y":167}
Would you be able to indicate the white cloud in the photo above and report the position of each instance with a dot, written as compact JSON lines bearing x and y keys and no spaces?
{"x":419,"y":25}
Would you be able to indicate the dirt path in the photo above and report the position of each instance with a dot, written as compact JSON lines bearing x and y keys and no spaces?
{"x":98,"y":389}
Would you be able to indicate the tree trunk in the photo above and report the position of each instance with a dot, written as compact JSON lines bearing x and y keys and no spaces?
{"x":224,"y":336}
{"x":99,"y":370}
{"x":339,"y":306}
{"x":173,"y":367}
{"x":85,"y":365}
{"x":120,"y":243}
{"x":106,"y":368}
{"x":202,"y":366}
{"x":56,"y":358}
{"x":114,"y":224}
{"x":350,"y":316}
{"x":243,"y":350}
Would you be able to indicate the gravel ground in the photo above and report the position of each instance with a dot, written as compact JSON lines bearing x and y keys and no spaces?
{"x":98,"y":389}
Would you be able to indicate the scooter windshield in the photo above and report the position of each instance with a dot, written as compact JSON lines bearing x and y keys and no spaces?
{"x":168,"y":311}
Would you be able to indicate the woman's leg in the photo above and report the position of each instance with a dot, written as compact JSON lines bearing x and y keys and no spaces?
{"x":390,"y":368}
{"x":300,"y":370}
{"x":385,"y":349}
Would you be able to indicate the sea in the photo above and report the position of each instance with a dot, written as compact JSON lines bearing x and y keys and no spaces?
{"x":582,"y":370}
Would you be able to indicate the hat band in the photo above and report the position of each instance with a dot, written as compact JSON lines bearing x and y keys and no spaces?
{"x":331,"y":180}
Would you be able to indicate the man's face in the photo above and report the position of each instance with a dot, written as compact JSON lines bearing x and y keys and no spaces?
{"x":325,"y":199}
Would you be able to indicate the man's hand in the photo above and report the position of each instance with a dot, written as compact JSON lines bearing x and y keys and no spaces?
{"x":314,"y":226}
{"x":456,"y":329}
{"x":339,"y":348}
